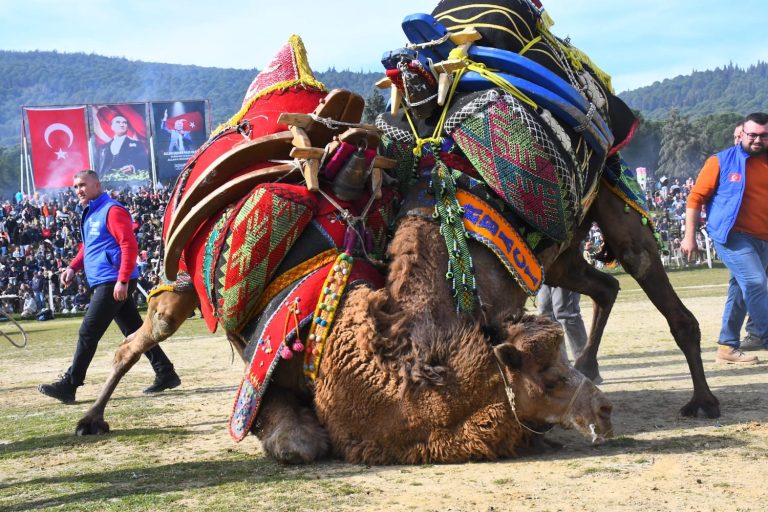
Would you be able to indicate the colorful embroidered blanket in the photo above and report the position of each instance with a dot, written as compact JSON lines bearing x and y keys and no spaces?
{"x":252,"y":245}
{"x":487,"y":224}
{"x":516,"y":157}
{"x":276,"y":335}
{"x":277,"y":317}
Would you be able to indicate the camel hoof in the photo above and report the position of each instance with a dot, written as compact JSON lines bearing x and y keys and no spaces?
{"x":91,"y":427}
{"x":290,"y":448}
{"x":293,"y":436}
{"x":710,"y":409}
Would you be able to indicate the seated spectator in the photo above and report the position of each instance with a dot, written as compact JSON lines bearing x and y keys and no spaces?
{"x":30,"y":308}
{"x":82,"y":299}
{"x":66,"y":305}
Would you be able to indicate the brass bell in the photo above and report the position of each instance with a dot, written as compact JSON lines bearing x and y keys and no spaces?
{"x":349,"y":183}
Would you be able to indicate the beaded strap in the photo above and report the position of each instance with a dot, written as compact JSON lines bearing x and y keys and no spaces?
{"x":330,"y":296}
{"x":449,"y":213}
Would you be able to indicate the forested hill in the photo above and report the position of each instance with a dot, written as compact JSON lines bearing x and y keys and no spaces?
{"x":727,"y":89}
{"x":52,"y":78}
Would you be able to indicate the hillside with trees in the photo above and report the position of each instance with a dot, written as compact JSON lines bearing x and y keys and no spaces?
{"x":684,"y":119}
{"x":703,"y":93}
{"x":51,"y":78}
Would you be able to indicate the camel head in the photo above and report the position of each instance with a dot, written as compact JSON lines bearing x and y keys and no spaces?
{"x":543,"y":389}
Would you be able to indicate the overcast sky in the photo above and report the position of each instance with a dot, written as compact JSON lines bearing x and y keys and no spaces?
{"x":637,"y":42}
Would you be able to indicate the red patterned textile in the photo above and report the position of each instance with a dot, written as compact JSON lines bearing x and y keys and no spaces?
{"x":276,"y":89}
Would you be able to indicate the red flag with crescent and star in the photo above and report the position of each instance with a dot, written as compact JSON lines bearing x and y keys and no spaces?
{"x":59,"y":140}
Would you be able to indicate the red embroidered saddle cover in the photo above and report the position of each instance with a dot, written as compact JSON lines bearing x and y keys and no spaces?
{"x":282,"y":316}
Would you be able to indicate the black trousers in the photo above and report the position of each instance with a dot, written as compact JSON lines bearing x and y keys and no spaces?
{"x":102,"y":310}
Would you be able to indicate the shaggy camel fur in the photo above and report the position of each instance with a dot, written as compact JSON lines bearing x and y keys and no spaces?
{"x":406,"y":380}
{"x":390,"y":394}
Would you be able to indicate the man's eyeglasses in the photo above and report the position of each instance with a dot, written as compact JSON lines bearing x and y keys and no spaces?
{"x":753,"y":136}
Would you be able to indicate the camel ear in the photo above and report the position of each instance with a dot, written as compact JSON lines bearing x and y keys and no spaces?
{"x":509,"y":356}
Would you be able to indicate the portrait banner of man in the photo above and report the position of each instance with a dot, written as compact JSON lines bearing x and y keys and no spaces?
{"x":179,"y":128}
{"x":121,"y":156}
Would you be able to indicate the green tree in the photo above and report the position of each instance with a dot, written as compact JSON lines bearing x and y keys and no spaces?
{"x":374,"y":105}
{"x":10,"y":170}
{"x":680,"y":154}
{"x":716,"y":131}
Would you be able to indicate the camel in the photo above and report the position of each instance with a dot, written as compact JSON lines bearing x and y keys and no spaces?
{"x":518,"y":27}
{"x":400,"y":350}
{"x":404,"y":379}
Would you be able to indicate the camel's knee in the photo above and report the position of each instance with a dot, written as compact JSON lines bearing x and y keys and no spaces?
{"x":637,"y":262}
{"x":163,"y":326}
{"x":167,"y":312}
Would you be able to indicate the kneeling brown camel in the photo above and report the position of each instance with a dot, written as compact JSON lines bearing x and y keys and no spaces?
{"x":403,"y":378}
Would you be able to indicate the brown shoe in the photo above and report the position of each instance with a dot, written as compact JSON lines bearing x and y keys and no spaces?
{"x":752,"y":342}
{"x":730,"y":355}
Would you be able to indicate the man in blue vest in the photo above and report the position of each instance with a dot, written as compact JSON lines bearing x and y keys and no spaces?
{"x":108,"y":255}
{"x":734,"y":186}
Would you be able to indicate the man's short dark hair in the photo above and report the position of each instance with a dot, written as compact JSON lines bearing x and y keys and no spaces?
{"x":757,"y":117}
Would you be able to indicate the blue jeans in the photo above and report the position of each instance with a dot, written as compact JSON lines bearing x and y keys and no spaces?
{"x":747,"y":258}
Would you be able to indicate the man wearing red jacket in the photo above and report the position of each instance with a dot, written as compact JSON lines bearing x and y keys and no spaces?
{"x":108,"y":255}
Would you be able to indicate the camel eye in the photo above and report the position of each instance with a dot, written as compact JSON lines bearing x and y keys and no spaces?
{"x":553,"y":382}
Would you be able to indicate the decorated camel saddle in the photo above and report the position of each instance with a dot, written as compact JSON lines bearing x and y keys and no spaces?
{"x":276,"y":216}
{"x":486,"y":102}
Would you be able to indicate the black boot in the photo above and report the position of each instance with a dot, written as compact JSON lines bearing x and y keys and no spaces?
{"x":163,"y":381}
{"x":62,"y":390}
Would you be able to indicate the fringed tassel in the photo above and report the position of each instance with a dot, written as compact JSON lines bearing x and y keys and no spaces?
{"x":449,"y":212}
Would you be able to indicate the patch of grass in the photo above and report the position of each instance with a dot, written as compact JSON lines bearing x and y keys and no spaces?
{"x":622,"y":441}
{"x":597,"y":470}
{"x":503,"y":481}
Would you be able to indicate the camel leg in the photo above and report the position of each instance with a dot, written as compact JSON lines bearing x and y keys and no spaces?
{"x":167,"y":311}
{"x":635,"y":247}
{"x":289,"y":430}
{"x":571,"y":271}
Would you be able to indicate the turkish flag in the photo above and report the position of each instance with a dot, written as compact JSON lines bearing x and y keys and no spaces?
{"x":190,"y":122}
{"x":59,"y":140}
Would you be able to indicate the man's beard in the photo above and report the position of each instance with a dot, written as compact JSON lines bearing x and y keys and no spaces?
{"x":756,"y":152}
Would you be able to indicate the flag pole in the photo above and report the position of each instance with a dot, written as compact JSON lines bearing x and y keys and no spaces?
{"x":22,"y":170}
{"x":151,"y":138}
{"x":28,"y":167}
{"x":152,"y":162}
{"x":91,"y":136}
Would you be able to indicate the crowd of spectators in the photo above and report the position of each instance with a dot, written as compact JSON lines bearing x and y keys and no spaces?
{"x":39,"y":236}
{"x":666,"y":201}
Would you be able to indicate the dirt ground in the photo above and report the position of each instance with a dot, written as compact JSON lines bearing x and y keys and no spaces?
{"x":658,"y":461}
